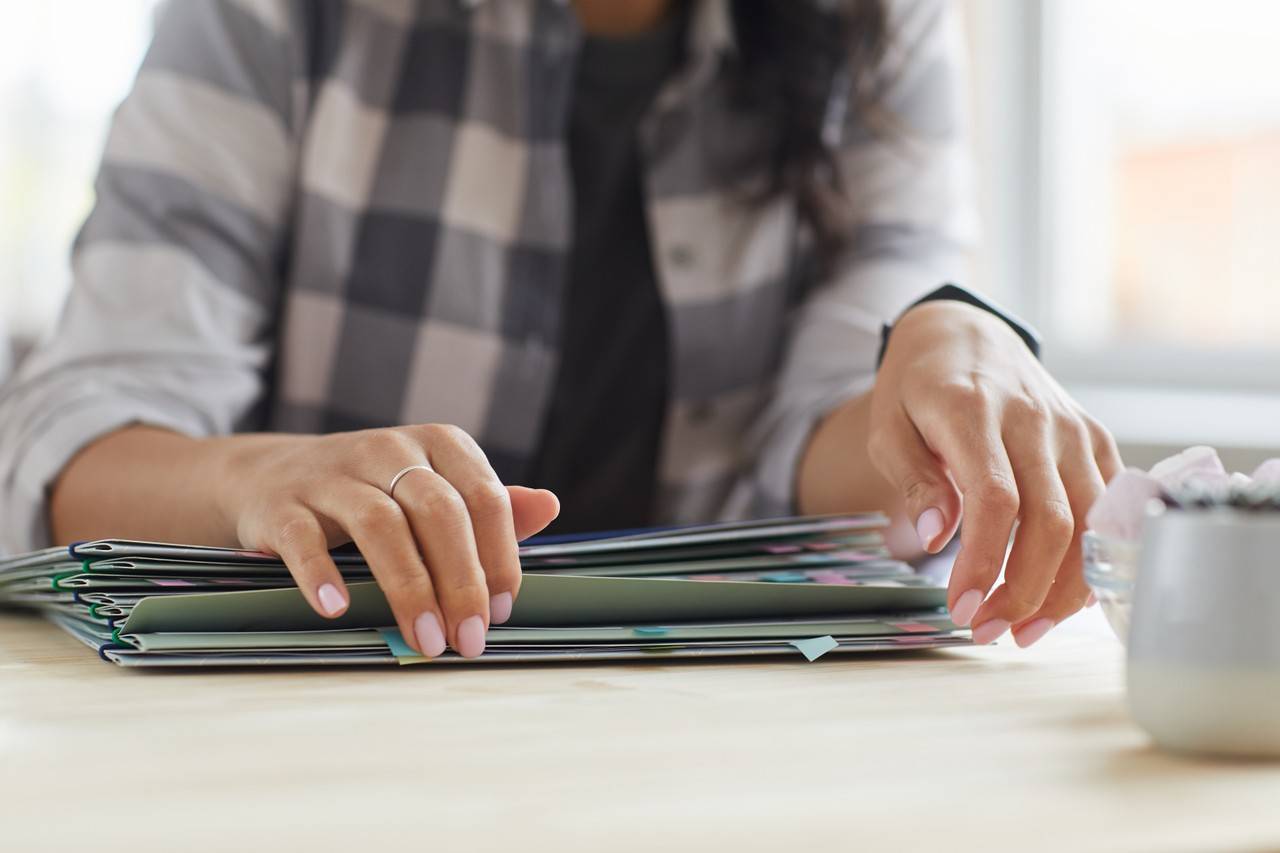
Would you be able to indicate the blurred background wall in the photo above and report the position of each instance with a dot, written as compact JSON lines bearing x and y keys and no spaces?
{"x":1128,"y":158}
{"x":64,"y":64}
{"x":1127,"y":163}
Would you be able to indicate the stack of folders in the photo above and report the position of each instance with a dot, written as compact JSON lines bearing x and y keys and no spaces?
{"x":800,"y":586}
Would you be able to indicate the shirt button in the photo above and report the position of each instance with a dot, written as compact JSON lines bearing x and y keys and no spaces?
{"x":701,"y":411}
{"x":682,"y":255}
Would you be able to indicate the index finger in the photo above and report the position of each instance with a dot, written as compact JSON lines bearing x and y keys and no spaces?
{"x":971,"y":447}
{"x":461,"y":461}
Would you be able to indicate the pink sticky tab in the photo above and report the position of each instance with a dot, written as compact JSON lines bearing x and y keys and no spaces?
{"x":834,"y":578}
{"x":914,"y":627}
{"x":170,"y":582}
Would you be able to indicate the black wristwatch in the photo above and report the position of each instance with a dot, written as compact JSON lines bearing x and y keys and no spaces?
{"x":954,"y":293}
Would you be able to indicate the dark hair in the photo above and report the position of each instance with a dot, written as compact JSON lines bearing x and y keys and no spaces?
{"x":806,"y":62}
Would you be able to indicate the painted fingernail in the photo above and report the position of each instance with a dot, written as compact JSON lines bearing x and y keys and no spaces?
{"x":430,"y":637}
{"x":471,"y":637}
{"x":1091,"y":600}
{"x":966,"y":606}
{"x":1033,"y":632}
{"x":499,"y":608}
{"x":928,"y":526}
{"x":330,"y":599}
{"x":989,"y":630}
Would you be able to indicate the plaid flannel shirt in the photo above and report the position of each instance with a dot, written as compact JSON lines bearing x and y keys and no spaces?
{"x":329,"y":216}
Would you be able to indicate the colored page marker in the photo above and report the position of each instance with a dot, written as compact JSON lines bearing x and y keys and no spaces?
{"x":915,"y":627}
{"x":404,"y":654}
{"x":815,"y":647}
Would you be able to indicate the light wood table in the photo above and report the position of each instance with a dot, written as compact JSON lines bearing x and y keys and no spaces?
{"x":974,"y":749}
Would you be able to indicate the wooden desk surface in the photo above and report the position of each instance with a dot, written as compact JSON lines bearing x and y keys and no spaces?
{"x":975,"y":749}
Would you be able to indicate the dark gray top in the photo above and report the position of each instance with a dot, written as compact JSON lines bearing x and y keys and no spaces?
{"x":600,"y":442}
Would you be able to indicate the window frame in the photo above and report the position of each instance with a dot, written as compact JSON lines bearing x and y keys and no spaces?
{"x":1018,"y":69}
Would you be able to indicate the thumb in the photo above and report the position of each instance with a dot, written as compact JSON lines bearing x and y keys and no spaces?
{"x":532,"y":509}
{"x":930,"y":498}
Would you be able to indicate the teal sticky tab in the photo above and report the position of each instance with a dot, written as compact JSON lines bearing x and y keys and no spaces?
{"x":815,"y":647}
{"x":784,"y":577}
{"x":650,"y":630}
{"x":395,"y":641}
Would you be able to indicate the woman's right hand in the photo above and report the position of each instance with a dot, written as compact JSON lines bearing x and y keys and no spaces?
{"x":442,"y":546}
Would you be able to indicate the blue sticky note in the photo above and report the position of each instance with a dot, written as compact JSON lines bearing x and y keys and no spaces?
{"x":404,"y":654}
{"x":815,"y":647}
{"x":650,"y":630}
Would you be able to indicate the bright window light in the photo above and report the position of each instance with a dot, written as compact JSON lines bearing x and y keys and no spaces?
{"x":64,"y":65}
{"x":1161,"y":174}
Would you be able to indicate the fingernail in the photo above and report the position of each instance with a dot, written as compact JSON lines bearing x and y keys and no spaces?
{"x":330,"y":599}
{"x":499,"y":608}
{"x":1091,"y":600}
{"x":430,"y":637}
{"x":928,"y":526}
{"x":966,"y":606}
{"x":989,"y":630}
{"x":471,"y":637}
{"x":1033,"y":632}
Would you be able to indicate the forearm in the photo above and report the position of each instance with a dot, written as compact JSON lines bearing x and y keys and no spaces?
{"x":146,"y":483}
{"x":835,"y":473}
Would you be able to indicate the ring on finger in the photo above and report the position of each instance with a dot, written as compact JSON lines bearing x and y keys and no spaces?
{"x":421,"y":466}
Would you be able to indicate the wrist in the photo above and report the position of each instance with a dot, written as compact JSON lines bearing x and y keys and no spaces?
{"x":951,"y":297}
{"x":956,"y":328}
{"x":953,"y":333}
{"x":230,"y":464}
{"x":947,"y":316}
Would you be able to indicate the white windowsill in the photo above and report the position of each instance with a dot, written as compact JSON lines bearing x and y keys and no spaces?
{"x":1150,"y":423}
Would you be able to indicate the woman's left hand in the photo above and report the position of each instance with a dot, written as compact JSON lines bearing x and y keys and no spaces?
{"x":965,"y":421}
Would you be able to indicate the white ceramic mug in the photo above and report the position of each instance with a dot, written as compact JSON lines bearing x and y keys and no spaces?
{"x":1204,"y":640}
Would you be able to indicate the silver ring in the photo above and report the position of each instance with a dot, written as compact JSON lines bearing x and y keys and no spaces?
{"x":396,"y":479}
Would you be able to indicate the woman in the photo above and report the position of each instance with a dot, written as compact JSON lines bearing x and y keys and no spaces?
{"x":637,"y":253}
